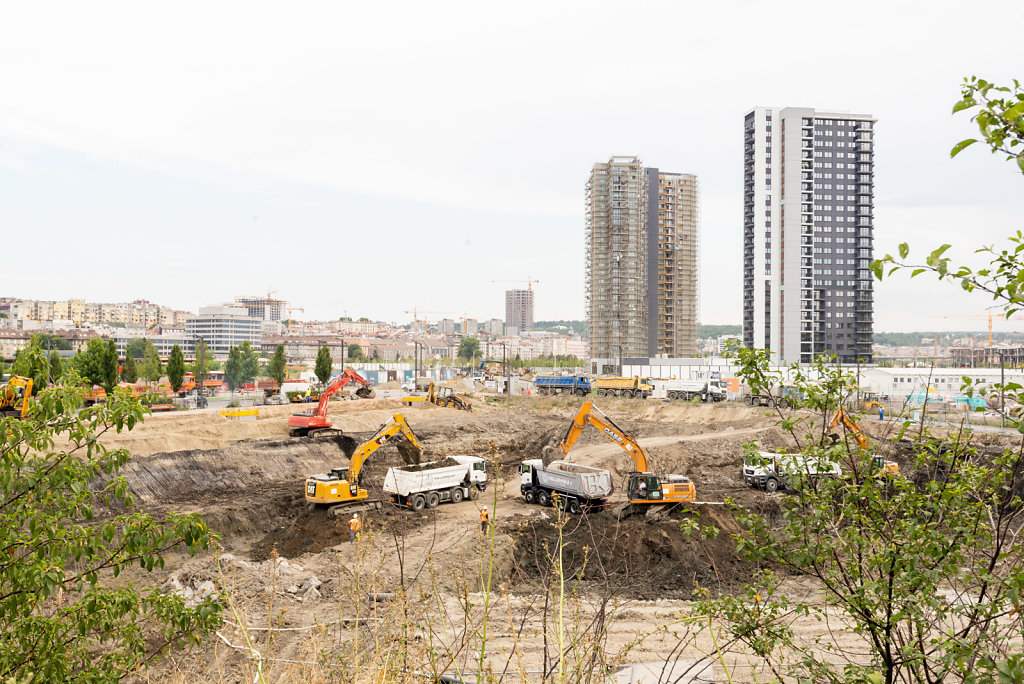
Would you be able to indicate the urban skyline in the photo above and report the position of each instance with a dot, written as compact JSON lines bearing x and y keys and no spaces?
{"x":160,"y":167}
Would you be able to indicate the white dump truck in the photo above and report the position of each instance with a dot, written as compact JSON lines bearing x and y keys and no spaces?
{"x":428,"y":484}
{"x":705,"y":390}
{"x":772,"y":472}
{"x":579,"y":487}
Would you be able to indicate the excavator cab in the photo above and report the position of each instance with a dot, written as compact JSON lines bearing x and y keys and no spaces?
{"x":333,"y":488}
{"x":650,"y":491}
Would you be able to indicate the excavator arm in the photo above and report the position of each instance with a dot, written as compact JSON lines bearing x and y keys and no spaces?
{"x":586,"y":416}
{"x":847,"y":421}
{"x":346,"y":376}
{"x":396,"y":425}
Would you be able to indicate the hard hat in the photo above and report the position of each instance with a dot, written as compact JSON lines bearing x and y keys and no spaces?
{"x":355,"y":515}
{"x":485,"y":508}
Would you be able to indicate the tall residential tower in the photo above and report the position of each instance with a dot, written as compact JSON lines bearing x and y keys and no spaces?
{"x":671,"y":263}
{"x":641,"y":260}
{"x":807,"y":234}
{"x":519,"y":309}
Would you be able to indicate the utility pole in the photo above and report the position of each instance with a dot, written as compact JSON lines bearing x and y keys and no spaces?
{"x":202,"y":373}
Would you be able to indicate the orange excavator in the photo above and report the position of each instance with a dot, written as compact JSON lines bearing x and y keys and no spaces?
{"x":643,"y":486}
{"x":844,"y":418}
{"x":316,"y":420}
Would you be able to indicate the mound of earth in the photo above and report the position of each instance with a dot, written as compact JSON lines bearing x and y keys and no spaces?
{"x":635,"y":557}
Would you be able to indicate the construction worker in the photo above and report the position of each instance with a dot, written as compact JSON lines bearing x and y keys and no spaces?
{"x":484,"y":520}
{"x":355,"y":525}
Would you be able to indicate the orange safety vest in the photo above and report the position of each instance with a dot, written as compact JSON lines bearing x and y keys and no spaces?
{"x":483,"y":516}
{"x":355,"y":524}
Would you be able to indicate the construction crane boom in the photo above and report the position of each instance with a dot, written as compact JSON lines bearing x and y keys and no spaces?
{"x":529,"y":282}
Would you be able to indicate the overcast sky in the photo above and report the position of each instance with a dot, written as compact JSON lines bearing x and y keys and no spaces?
{"x":368,"y":158}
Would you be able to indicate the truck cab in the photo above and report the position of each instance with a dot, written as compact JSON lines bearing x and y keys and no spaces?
{"x":772,"y":472}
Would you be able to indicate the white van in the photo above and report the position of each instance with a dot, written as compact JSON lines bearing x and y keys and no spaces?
{"x":773,"y":471}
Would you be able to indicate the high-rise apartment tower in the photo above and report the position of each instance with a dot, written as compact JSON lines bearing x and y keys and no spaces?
{"x":616,"y":258}
{"x":671,"y":263}
{"x":641,"y":260}
{"x":808,"y":193}
{"x":519,"y":309}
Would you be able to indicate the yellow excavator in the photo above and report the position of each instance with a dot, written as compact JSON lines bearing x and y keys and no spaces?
{"x":14,"y":396}
{"x":340,"y":487}
{"x":642,"y":487}
{"x":842,"y":417}
{"x":442,"y":396}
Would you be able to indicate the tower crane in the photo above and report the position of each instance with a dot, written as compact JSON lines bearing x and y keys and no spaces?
{"x":989,"y":317}
{"x":529,"y":282}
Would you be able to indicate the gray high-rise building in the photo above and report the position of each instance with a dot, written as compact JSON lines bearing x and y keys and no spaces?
{"x":641,"y":260}
{"x":807,"y":234}
{"x":519,"y":309}
{"x":616,"y":258}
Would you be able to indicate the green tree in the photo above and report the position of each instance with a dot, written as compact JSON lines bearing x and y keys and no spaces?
{"x":469,"y":347}
{"x":89,"y":362}
{"x":109,"y":366}
{"x":250,"y":362}
{"x":233,"y":369}
{"x":278,"y":365}
{"x":242,"y":365}
{"x":151,"y":368}
{"x":364,"y":319}
{"x":210,"y":362}
{"x":63,"y":617}
{"x":175,"y":368}
{"x":129,"y":373}
{"x":323,"y":365}
{"x":137,"y":347}
{"x":31,"y":362}
{"x":47,"y":342}
{"x":355,"y":352}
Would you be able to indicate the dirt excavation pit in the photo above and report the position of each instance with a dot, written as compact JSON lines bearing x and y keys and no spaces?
{"x":634,"y":557}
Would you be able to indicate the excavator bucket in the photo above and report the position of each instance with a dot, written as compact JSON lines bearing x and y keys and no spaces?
{"x":411,"y":455}
{"x":547,"y":454}
{"x":366,"y":393}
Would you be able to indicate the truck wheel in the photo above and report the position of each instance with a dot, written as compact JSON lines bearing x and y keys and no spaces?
{"x":456,"y":494}
{"x":530,"y":496}
{"x":433,"y":499}
{"x":750,"y":400}
{"x":574,"y":507}
{"x":771,"y":485}
{"x":418,"y":502}
{"x":544,"y":499}
{"x":474,"y":493}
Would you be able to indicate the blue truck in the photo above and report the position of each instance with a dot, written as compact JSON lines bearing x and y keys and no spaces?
{"x":563,"y":384}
